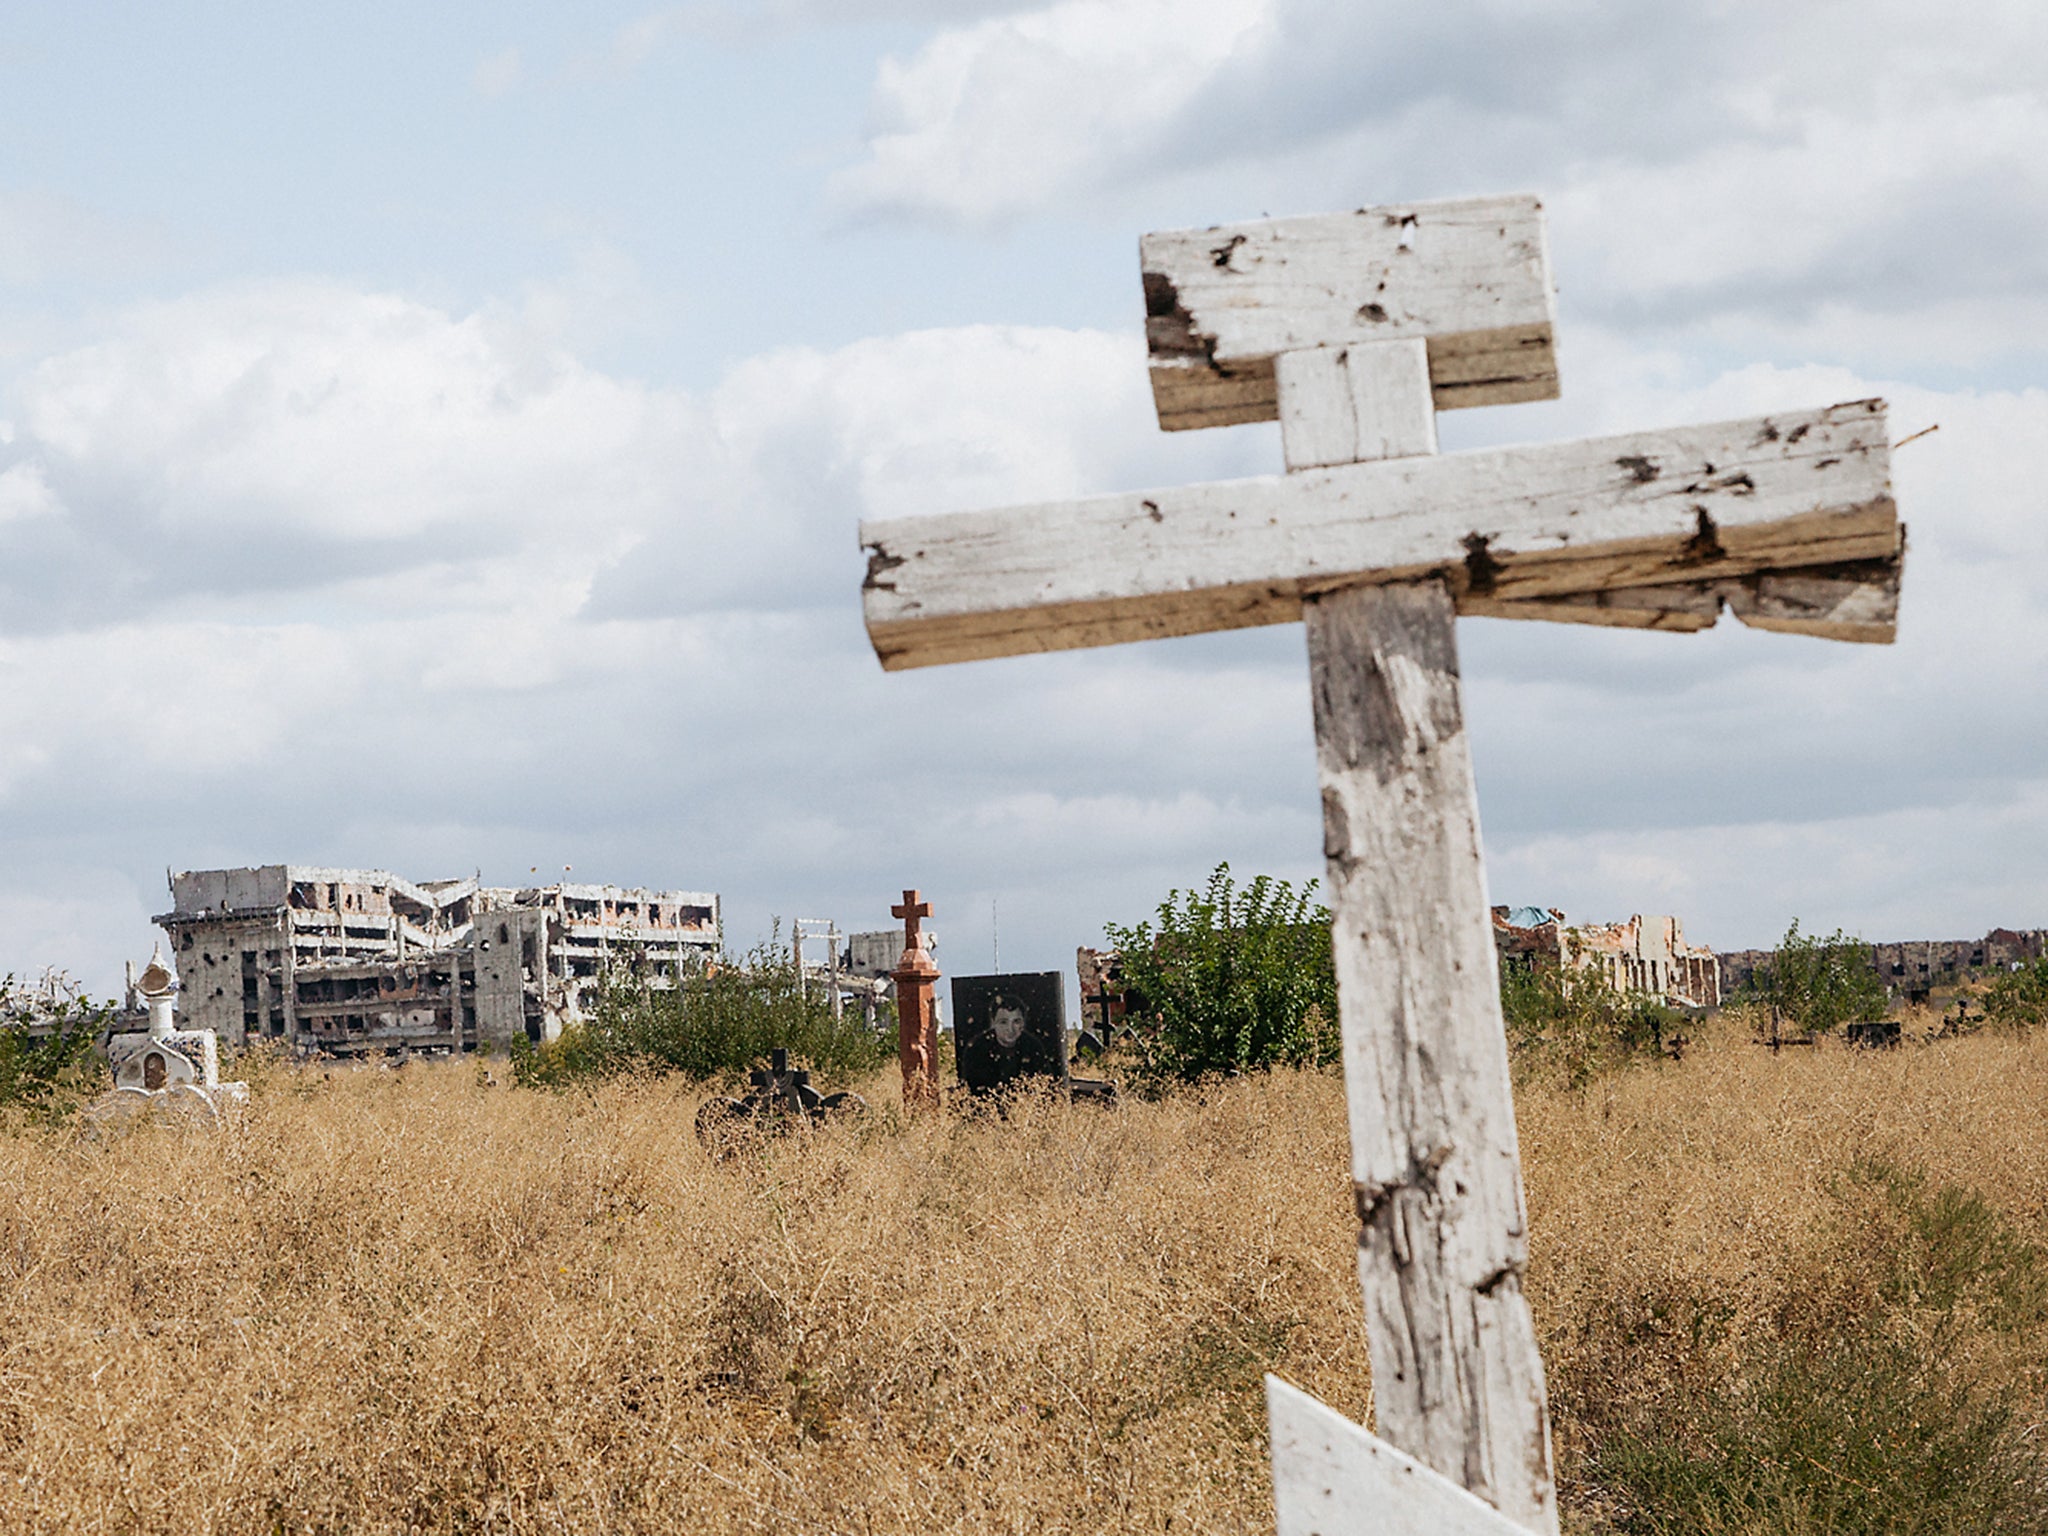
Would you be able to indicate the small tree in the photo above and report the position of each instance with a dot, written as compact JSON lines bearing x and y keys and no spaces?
{"x":1819,"y":983}
{"x":47,"y":1061}
{"x":1229,"y":980}
{"x":2019,"y":999}
{"x":715,"y":1022}
{"x":1574,"y":1023}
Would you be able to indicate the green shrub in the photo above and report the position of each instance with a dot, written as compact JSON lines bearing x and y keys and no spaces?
{"x":1230,"y":980}
{"x":1573,"y":1024}
{"x":1819,"y":983}
{"x":48,"y":1064}
{"x":716,"y":1023}
{"x":1856,"y":1405}
{"x":2019,"y":999}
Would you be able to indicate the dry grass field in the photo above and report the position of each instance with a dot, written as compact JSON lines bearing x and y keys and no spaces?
{"x":415,"y":1300}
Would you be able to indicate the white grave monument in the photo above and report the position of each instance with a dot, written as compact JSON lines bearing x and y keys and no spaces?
{"x":1354,"y":330}
{"x":165,"y":1063}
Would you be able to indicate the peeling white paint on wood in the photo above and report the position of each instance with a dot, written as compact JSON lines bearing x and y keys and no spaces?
{"x":1443,"y":1240}
{"x":1442,"y":1244}
{"x":1339,"y":405}
{"x":1331,"y":1478}
{"x":1471,"y":278}
{"x":1770,"y":493}
{"x":1787,"y":521}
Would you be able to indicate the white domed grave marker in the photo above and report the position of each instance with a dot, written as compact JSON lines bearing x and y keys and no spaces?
{"x":166,"y":1062}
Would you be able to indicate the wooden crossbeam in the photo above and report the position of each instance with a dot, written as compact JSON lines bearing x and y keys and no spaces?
{"x":1857,"y":600}
{"x":1470,"y":278}
{"x":1768,"y":495}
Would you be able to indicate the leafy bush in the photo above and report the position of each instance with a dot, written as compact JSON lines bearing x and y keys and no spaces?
{"x":2019,"y":999}
{"x":1857,"y":1405}
{"x":1819,"y":983}
{"x":48,"y":1065}
{"x":716,"y":1023}
{"x":1229,"y":980}
{"x":1572,"y":1024}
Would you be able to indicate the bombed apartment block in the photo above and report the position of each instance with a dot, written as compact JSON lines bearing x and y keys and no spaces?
{"x":347,"y":961}
{"x":1646,"y":954}
{"x":876,"y":955}
{"x":1913,"y":968}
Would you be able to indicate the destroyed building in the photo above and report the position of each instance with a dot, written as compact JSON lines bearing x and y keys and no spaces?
{"x":1912,"y":968}
{"x":1646,"y":954}
{"x":352,"y":960}
{"x":877,"y":954}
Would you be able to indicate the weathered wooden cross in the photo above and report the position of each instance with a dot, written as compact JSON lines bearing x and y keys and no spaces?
{"x":1354,"y":330}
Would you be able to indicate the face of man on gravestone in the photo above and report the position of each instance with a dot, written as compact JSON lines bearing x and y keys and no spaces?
{"x":1007,"y":1024}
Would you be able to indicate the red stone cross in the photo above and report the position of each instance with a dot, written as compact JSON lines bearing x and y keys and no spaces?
{"x":910,"y":909}
{"x":917,"y":1030}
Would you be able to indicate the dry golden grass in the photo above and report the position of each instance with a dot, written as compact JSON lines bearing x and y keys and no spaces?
{"x":410,"y":1301}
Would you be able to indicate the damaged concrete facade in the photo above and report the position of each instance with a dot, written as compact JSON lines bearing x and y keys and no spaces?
{"x":350,"y":960}
{"x":1911,"y":968}
{"x":1647,"y":954}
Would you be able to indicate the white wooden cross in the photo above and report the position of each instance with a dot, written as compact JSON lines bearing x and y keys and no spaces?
{"x":1353,"y":330}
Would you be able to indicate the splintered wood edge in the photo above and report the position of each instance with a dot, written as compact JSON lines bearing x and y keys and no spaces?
{"x":1865,"y":613}
{"x":1782,"y":504}
{"x":1855,"y":601}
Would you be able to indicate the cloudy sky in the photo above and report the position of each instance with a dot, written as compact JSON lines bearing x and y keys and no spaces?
{"x":433,"y":437}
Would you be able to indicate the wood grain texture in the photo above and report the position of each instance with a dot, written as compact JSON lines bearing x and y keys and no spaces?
{"x":1340,"y":405}
{"x":1443,"y":1238}
{"x":1331,"y":1478}
{"x":1733,"y":499}
{"x":1857,"y":601}
{"x":1471,"y":278}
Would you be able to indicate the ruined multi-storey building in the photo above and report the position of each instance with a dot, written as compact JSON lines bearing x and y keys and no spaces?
{"x":1646,"y":954}
{"x":1912,"y":968}
{"x":351,"y":960}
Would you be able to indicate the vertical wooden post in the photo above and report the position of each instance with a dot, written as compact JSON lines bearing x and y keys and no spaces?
{"x":1457,"y":1377}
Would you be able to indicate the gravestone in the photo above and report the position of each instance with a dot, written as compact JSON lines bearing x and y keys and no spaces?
{"x":1009,"y":1030}
{"x":782,"y":1097}
{"x":917,"y":1023}
{"x":164,"y":1062}
{"x":1353,"y":330}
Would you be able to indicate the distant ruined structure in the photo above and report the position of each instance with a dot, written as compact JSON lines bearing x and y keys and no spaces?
{"x":1911,"y":968}
{"x":352,"y":960}
{"x":1645,"y":954}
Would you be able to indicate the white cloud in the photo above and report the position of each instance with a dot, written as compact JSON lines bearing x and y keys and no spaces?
{"x":617,"y":626}
{"x":1912,"y":872}
{"x":254,"y":442}
{"x":25,"y":492}
{"x":1015,"y":112}
{"x":1758,"y":178}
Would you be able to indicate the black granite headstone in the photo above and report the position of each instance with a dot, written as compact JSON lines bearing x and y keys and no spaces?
{"x":1007,"y":1029}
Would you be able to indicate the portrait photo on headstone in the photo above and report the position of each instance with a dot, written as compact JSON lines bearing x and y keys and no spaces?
{"x":1010,"y":1029}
